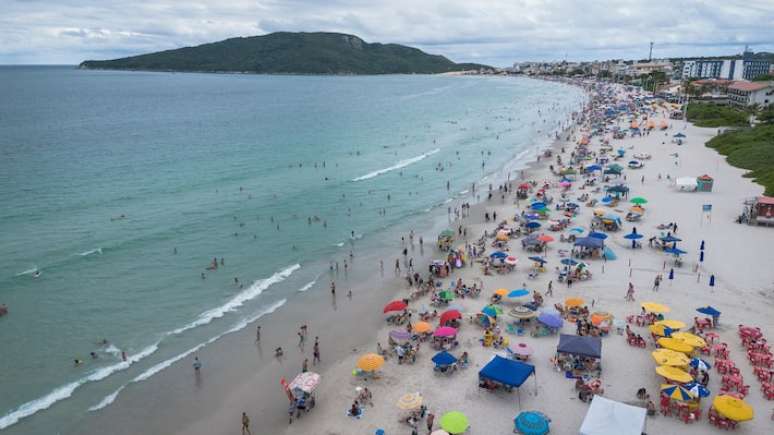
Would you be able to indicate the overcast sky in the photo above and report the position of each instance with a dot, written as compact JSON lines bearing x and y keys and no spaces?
{"x":495,"y":32}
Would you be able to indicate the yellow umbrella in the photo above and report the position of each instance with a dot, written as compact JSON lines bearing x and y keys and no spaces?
{"x":370,"y":362}
{"x":655,"y":308}
{"x":501,"y":292}
{"x":674,"y":374}
{"x":574,"y":302}
{"x":732,"y":408}
{"x":666,"y":357}
{"x":671,"y":324}
{"x":410,"y":401}
{"x":658,"y":330}
{"x":689,"y":339}
{"x":422,"y":327}
{"x":676,"y":345}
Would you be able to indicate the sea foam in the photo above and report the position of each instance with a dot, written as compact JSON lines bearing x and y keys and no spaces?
{"x":399,"y":165}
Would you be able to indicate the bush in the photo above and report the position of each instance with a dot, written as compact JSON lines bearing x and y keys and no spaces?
{"x":712,"y":115}
{"x":752,"y":149}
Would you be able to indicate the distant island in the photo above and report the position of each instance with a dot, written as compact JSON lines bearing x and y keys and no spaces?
{"x":291,"y":53}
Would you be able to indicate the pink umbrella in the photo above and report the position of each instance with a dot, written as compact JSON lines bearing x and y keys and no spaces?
{"x":521,"y":349}
{"x":565,"y":184}
{"x":511,"y":260}
{"x":445,"y":331}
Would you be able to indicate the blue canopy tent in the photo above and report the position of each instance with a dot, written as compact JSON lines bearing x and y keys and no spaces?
{"x":507,"y":372}
{"x":498,"y":255}
{"x":444,"y":359}
{"x":533,"y":224}
{"x":592,"y":168}
{"x":708,"y":310}
{"x":590,"y":243}
{"x":580,"y":345}
{"x":569,"y":262}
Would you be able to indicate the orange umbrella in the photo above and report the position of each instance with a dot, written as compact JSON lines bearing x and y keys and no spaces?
{"x":545,"y":238}
{"x":574,"y":302}
{"x":422,"y":327}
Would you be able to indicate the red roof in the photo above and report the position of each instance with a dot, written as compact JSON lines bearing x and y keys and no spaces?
{"x":705,"y":177}
{"x":769,"y":200}
{"x":749,"y":86}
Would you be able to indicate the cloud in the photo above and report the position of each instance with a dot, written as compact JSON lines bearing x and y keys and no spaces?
{"x":498,"y":32}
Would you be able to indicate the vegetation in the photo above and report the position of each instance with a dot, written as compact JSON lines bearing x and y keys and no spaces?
{"x":291,"y":53}
{"x":763,"y":78}
{"x":713,"y":115}
{"x":751,"y":149}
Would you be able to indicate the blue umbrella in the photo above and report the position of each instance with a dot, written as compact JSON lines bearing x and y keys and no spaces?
{"x":592,"y":168}
{"x":537,"y":259}
{"x":550,"y":320}
{"x":538,"y":205}
{"x":578,"y":230}
{"x":498,"y":254}
{"x":700,"y":364}
{"x":489,"y":311}
{"x":708,"y":310}
{"x":712,"y":280}
{"x":679,"y":135}
{"x":444,"y":358}
{"x":569,"y":262}
{"x":697,"y":389}
{"x":675,"y":251}
{"x":518,"y":293}
{"x":672,"y":273}
{"x":533,"y":224}
{"x":598,"y":235}
{"x":701,"y":256}
{"x":531,"y":423}
{"x":670,"y":238}
{"x":633,"y":236}
{"x":606,"y":200}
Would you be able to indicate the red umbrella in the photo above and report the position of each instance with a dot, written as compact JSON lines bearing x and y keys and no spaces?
{"x":395,"y":306}
{"x":524,"y":186}
{"x":449,"y":315}
{"x":545,"y":238}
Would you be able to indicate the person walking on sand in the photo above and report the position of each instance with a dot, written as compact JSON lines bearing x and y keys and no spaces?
{"x":550,"y":291}
{"x":246,"y":424}
{"x":197,"y":365}
{"x":333,"y":288}
{"x":430,"y":420}
{"x":656,"y":283}
{"x":316,"y":351}
{"x":258,"y":333}
{"x":305,"y":366}
{"x":630,"y":293}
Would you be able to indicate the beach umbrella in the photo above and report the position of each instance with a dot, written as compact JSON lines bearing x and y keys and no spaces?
{"x":422,"y":327}
{"x":674,"y":374}
{"x":518,"y":293}
{"x":638,"y":200}
{"x":671,"y":324}
{"x":522,"y":312}
{"x":545,"y":238}
{"x":538,"y":205}
{"x":397,"y":334}
{"x":551,"y":320}
{"x":697,"y":389}
{"x":532,"y":216}
{"x":498,"y":255}
{"x":565,"y":183}
{"x":537,"y":259}
{"x":521,"y":349}
{"x":676,"y":392}
{"x":712,"y":281}
{"x":574,"y":302}
{"x":689,"y":339}
{"x":489,"y":311}
{"x":531,"y":423}
{"x":445,"y":331}
{"x":454,"y":422}
{"x":497,"y":309}
{"x":670,"y":238}
{"x":605,"y":201}
{"x":533,"y":224}
{"x":501,"y":292}
{"x":370,"y":362}
{"x":679,"y":135}
{"x":633,"y":236}
{"x":666,"y":357}
{"x":511,"y":260}
{"x":708,"y":310}
{"x":592,"y":168}
{"x":502,"y":236}
{"x":395,"y":306}
{"x":446,"y":295}
{"x":675,"y":251}
{"x":660,"y":330}
{"x":653,"y":307}
{"x":599,"y":212}
{"x":600,"y":316}
{"x":733,"y":408}
{"x":578,"y":230}
{"x":444,"y":358}
{"x":569,"y":262}
{"x":598,"y":235}
{"x":701,"y":248}
{"x":675,"y":345}
{"x":449,"y":315}
{"x":439,"y":432}
{"x":456,"y":307}
{"x":700,"y":364}
{"x":409,"y":401}
{"x":701,"y":256}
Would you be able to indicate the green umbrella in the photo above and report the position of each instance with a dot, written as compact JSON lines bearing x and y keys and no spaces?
{"x":639,"y":200}
{"x":446,"y":295}
{"x":454,"y":422}
{"x":446,"y":234}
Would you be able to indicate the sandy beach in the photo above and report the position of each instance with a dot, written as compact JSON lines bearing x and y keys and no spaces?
{"x":736,"y":254}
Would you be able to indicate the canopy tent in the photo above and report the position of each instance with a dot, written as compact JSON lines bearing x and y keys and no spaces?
{"x":708,"y":310}
{"x":580,"y":345}
{"x":506,"y":371}
{"x":444,"y":358}
{"x":686,"y":183}
{"x":590,"y":242}
{"x":608,"y":417}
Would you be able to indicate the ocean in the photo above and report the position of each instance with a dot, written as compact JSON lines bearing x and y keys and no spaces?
{"x":118,"y":190}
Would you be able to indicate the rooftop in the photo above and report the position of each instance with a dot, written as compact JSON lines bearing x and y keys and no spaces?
{"x":749,"y":86}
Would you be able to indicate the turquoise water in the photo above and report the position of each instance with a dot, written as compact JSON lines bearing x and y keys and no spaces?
{"x":120,"y":188}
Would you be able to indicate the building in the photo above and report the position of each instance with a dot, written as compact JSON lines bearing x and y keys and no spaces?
{"x":746,"y":68}
{"x":639,"y":69}
{"x":748,"y":94}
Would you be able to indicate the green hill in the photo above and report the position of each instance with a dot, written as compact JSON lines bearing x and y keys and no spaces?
{"x":290,"y":53}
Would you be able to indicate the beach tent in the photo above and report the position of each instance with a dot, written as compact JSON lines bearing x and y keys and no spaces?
{"x":590,"y":242}
{"x":608,"y":417}
{"x":686,"y":183}
{"x":580,"y":345}
{"x":507,"y":372}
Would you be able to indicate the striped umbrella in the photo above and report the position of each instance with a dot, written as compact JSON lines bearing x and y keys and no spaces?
{"x":410,"y":401}
{"x":676,"y":392}
{"x":370,"y":362}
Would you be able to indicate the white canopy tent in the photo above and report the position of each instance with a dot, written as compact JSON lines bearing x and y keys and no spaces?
{"x":608,"y":417}
{"x":687,"y":183}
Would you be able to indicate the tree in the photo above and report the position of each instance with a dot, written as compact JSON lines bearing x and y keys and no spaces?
{"x":766,"y":115}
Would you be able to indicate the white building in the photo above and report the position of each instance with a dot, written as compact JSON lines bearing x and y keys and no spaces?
{"x":751,"y":93}
{"x":746,"y":68}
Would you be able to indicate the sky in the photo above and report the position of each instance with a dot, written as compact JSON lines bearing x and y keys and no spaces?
{"x":493,"y":32}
